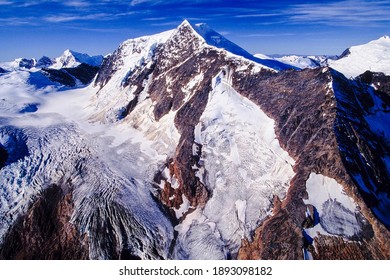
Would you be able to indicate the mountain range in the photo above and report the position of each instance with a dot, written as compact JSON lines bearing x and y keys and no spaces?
{"x":182,"y":145}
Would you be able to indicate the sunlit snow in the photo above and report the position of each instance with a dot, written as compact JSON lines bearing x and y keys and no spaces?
{"x":337,"y":211}
{"x":244,"y":168}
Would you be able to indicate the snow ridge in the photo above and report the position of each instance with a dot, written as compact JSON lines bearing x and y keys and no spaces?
{"x":213,"y":38}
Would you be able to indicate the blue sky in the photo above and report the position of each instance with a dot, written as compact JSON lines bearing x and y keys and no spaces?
{"x":36,"y":28}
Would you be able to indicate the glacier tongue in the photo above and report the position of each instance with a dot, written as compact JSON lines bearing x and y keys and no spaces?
{"x":245,"y":168}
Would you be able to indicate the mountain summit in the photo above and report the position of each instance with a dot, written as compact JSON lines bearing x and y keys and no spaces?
{"x":373,"y":56}
{"x":215,"y":39}
{"x":71,"y":59}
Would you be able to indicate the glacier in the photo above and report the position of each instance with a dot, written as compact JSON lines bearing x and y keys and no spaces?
{"x":243,"y":166}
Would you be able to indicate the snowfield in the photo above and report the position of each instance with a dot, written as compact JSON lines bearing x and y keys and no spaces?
{"x":337,"y":211}
{"x":373,"y":56}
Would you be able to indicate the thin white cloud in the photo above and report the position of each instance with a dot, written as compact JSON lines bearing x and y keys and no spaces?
{"x":100,"y":30}
{"x":77,"y":4}
{"x":257,"y":15}
{"x":136,"y":2}
{"x":171,"y":23}
{"x":346,"y":13}
{"x":68,"y":18}
{"x":267,"y":35}
{"x":6,"y":3}
{"x":18,"y":21}
{"x":224,"y":33}
{"x":157,"y":2}
{"x":155,"y":18}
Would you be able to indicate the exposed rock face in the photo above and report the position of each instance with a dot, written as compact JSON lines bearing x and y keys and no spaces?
{"x":3,"y":156}
{"x":362,"y":139}
{"x":27,"y":63}
{"x":43,"y":62}
{"x":83,"y":73}
{"x":2,"y":71}
{"x":45,"y":232}
{"x":307,"y":113}
{"x":288,"y":97}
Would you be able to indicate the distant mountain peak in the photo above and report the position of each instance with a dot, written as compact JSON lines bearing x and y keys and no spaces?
{"x":371,"y":56}
{"x":71,"y":59}
{"x":383,"y":38}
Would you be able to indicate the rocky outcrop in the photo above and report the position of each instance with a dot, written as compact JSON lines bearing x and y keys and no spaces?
{"x":46,"y":232}
{"x":363,"y":145}
{"x":44,"y":62}
{"x":337,"y":248}
{"x":70,"y":77}
{"x":26,"y":63}
{"x":306,"y":112}
{"x":3,"y":156}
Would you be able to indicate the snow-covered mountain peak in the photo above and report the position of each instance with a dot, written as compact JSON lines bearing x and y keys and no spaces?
{"x":215,"y":39}
{"x":384,"y":39}
{"x":19,"y":63}
{"x":373,"y":56}
{"x":72,"y":59}
{"x":135,"y":45}
{"x":382,"y":42}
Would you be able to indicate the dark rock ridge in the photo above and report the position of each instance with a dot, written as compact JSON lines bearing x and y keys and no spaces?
{"x":70,"y":77}
{"x":45,"y":232}
{"x":363,"y":145}
{"x":345,"y":53}
{"x":3,"y":156}
{"x":27,"y":63}
{"x":43,"y":62}
{"x":2,"y":71}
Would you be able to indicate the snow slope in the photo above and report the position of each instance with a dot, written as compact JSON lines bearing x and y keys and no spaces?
{"x":243,"y":166}
{"x":299,"y":61}
{"x":131,"y":54}
{"x":337,"y":211}
{"x":373,"y":56}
